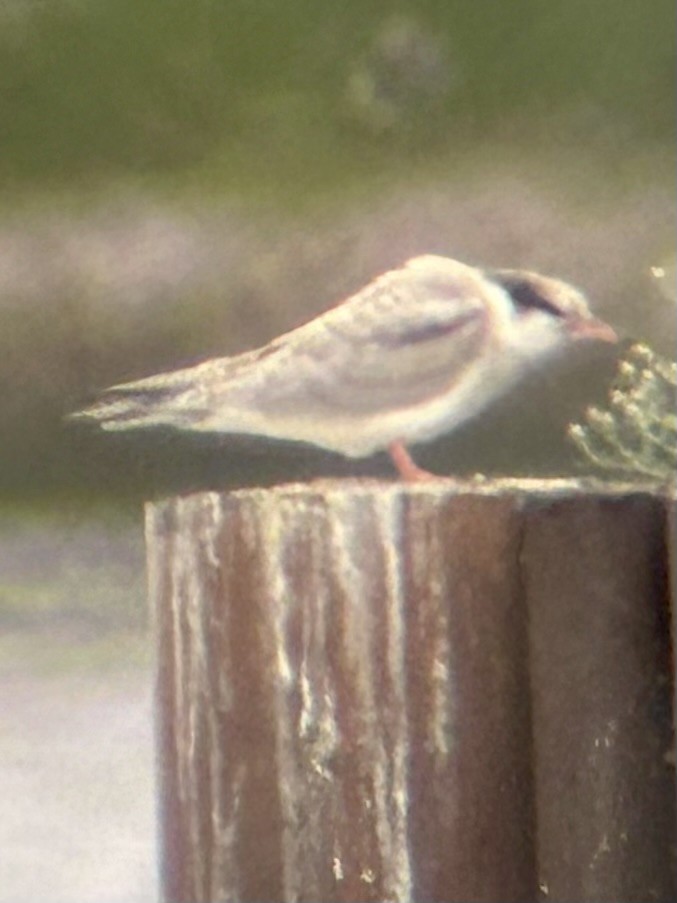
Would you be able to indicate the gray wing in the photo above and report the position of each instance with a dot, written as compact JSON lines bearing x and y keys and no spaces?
{"x":181,"y":398}
{"x":400,"y":341}
{"x":404,"y":339}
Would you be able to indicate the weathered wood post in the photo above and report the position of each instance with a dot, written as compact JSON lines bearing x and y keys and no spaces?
{"x":379,"y":692}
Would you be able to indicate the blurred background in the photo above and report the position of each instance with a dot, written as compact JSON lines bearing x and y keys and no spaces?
{"x":183,"y":180}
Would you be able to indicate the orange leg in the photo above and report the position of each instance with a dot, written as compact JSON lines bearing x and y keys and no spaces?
{"x":406,"y":467}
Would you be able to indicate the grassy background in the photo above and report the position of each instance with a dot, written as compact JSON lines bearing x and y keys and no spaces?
{"x":262,"y":90}
{"x":187,"y":179}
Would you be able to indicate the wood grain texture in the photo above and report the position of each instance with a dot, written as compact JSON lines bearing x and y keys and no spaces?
{"x":375,"y":692}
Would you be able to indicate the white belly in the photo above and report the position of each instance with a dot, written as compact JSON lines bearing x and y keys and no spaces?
{"x":359,"y":434}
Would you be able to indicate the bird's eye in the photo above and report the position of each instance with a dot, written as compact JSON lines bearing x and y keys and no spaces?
{"x":526,"y":297}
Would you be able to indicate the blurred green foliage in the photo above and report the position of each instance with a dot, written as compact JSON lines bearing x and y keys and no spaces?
{"x":268,"y":100}
{"x":636,"y":436}
{"x":272,"y":89}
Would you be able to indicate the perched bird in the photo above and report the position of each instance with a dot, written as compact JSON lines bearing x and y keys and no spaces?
{"x":409,"y":357}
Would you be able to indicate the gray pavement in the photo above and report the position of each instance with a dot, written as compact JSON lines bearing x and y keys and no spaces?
{"x":76,"y":758}
{"x":77,"y":801}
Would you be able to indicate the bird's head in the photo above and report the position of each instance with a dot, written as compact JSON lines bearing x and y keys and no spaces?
{"x":549,"y":313}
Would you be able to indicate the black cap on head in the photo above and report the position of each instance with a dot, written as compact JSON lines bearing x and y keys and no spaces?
{"x":526,"y":294}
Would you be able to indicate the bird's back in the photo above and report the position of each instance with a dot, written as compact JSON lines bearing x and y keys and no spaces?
{"x":404,"y":339}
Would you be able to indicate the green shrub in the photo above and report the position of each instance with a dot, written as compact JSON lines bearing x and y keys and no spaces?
{"x":636,"y":435}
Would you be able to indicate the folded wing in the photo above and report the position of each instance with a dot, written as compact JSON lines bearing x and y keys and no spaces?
{"x":405,"y":338}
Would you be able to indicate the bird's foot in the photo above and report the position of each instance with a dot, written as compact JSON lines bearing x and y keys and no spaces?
{"x":406,"y":466}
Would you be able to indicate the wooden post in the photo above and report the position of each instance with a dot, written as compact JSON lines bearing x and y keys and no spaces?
{"x":373,"y":692}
